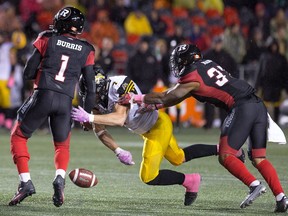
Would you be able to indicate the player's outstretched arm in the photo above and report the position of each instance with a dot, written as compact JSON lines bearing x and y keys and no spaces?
{"x":116,"y":118}
{"x":173,"y":95}
{"x":105,"y":137}
{"x":168,"y":98}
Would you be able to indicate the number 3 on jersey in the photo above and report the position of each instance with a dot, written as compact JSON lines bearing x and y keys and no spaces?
{"x":221,"y":78}
{"x":60,"y":75}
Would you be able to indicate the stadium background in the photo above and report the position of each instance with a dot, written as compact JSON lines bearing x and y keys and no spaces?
{"x":120,"y":191}
{"x":117,"y":28}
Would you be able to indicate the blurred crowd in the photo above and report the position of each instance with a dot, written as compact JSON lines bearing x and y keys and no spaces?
{"x":248,"y":38}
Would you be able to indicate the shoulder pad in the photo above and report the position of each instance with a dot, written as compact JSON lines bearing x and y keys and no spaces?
{"x":87,"y":43}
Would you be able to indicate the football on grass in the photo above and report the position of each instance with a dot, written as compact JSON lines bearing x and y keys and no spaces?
{"x":83,"y":178}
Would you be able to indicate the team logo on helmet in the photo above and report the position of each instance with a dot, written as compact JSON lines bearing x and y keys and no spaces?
{"x":182,"y":48}
{"x":99,"y":78}
{"x":65,"y":13}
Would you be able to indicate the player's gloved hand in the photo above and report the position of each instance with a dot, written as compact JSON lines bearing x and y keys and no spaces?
{"x":11,"y":82}
{"x":79,"y":114}
{"x":124,"y":156}
{"x":131,"y":98}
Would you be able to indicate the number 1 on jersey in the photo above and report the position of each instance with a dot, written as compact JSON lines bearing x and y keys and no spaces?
{"x":60,"y":75}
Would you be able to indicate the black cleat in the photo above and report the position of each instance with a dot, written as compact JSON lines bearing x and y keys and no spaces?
{"x":25,"y":189}
{"x":282,"y":205}
{"x":190,"y":197}
{"x":255,"y":192}
{"x":242,"y":157}
{"x":58,"y":185}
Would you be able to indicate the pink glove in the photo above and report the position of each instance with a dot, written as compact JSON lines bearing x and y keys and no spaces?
{"x":81,"y":115}
{"x":131,"y":98}
{"x":10,"y":82}
{"x":124,"y":156}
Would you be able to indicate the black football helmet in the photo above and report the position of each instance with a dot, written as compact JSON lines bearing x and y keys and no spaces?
{"x":183,"y":55}
{"x":102,"y":87}
{"x":69,"y":20}
{"x":102,"y":83}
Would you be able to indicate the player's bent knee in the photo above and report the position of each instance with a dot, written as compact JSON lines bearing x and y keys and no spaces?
{"x":225,"y":151}
{"x":256,"y":161}
{"x":148,"y":179}
{"x":257,"y":156}
{"x":177,"y":163}
{"x":177,"y":158}
{"x":222,"y":158}
{"x":144,"y":180}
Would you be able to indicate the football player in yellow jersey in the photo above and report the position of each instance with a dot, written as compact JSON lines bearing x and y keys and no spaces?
{"x":154,"y":127}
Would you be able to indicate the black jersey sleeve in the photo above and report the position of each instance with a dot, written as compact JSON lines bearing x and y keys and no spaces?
{"x":90,"y":87}
{"x":31,"y":67}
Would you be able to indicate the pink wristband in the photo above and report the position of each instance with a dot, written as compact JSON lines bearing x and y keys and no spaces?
{"x":139,"y":98}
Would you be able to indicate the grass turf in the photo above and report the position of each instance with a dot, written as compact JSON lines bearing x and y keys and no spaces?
{"x":120,"y":191}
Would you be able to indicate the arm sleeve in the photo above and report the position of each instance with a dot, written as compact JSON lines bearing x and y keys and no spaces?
{"x":31,"y":67}
{"x":89,"y":81}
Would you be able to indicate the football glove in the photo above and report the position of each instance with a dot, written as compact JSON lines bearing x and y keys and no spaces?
{"x":79,"y":114}
{"x":124,"y":156}
{"x":11,"y":82}
{"x":130,"y":98}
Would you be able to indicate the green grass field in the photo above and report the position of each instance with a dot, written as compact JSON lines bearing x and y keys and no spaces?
{"x":120,"y":191}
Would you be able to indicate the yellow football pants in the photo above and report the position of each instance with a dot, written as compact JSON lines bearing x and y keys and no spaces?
{"x":159,"y":142}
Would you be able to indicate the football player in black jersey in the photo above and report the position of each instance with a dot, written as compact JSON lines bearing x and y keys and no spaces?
{"x":58,"y":60}
{"x":209,"y":82}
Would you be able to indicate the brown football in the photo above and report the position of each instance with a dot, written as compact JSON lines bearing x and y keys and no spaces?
{"x":83,"y":178}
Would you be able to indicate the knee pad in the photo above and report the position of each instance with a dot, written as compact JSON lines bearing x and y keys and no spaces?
{"x":257,"y":153}
{"x":224,"y":148}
